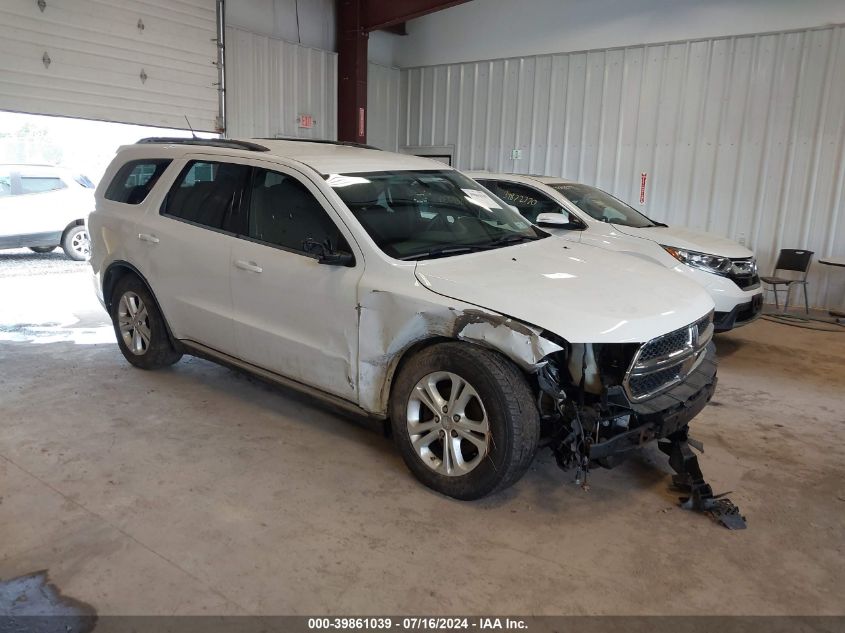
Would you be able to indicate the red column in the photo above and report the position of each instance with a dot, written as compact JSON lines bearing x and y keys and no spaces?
{"x":351,"y":73}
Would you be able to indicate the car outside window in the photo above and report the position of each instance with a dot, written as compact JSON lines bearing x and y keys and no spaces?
{"x":530,"y":203}
{"x":41,"y":184}
{"x":602,"y":206}
{"x":134,"y":180}
{"x":282,"y":212}
{"x":431,"y":213}
{"x":207,"y":193}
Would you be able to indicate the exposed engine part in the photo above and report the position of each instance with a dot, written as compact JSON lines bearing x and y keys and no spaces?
{"x":689,"y":479}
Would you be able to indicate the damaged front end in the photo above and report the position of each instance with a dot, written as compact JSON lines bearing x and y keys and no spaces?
{"x":599,"y":402}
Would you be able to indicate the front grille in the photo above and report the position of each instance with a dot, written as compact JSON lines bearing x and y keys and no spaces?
{"x":666,"y":360}
{"x":744,"y":273}
{"x":651,"y":383}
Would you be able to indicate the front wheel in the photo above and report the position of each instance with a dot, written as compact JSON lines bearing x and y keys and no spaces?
{"x":464,"y":419}
{"x":139,"y":326}
{"x":76,"y":243}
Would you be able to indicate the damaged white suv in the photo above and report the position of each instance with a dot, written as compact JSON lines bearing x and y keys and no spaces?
{"x":396,"y":286}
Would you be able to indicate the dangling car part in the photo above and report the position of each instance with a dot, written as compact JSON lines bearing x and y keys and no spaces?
{"x":601,"y":402}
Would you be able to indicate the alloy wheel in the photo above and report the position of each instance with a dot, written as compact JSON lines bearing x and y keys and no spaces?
{"x":134,"y":323}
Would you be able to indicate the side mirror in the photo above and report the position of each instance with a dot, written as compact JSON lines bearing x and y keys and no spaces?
{"x":325,"y":255}
{"x":556,"y":221}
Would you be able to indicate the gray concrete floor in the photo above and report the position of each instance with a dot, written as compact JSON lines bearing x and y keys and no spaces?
{"x":199,"y":490}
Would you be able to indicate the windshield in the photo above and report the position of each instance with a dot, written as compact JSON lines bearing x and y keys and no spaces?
{"x":602,"y":206}
{"x":426,"y":214}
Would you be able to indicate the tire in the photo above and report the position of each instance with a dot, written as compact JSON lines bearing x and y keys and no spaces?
{"x":42,"y":249}
{"x":76,"y":244}
{"x":484,"y":461}
{"x":143,"y":339}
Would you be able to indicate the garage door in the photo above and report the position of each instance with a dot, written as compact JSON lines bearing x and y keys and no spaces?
{"x":149,"y":62}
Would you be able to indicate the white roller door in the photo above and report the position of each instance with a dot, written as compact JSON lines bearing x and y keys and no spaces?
{"x":149,"y":62}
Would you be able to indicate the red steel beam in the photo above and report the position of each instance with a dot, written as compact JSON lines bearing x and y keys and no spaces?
{"x":351,"y":73}
{"x":380,"y":14}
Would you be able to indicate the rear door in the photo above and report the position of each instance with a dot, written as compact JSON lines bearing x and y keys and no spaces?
{"x":185,"y":245}
{"x":293,"y":315}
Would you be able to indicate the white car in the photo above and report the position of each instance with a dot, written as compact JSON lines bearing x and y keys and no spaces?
{"x":585,"y":214}
{"x":42,"y":207}
{"x":397,"y":287}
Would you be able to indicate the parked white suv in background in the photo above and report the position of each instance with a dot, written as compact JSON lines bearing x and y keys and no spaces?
{"x":585,"y":214}
{"x":42,"y":207}
{"x":396,"y":286}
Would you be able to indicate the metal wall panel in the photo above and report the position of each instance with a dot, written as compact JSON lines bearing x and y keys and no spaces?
{"x":383,"y":102}
{"x":104,"y":65}
{"x":742,"y":136}
{"x":270,"y":83}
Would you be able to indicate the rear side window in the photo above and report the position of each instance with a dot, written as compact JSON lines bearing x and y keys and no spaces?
{"x":207,"y":193}
{"x":41,"y":184}
{"x":135,"y":180}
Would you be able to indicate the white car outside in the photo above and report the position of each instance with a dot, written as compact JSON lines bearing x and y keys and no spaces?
{"x":43,"y":207}
{"x":397,"y":287}
{"x":585,"y":214}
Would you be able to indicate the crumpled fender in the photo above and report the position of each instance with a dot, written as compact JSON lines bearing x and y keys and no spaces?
{"x":390,"y":324}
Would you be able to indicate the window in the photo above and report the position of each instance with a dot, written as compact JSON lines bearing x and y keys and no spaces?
{"x":41,"y":184}
{"x":602,"y":206}
{"x":207,"y":193}
{"x":282,"y":212}
{"x":430,"y":213}
{"x":530,"y":203}
{"x":134,"y":180}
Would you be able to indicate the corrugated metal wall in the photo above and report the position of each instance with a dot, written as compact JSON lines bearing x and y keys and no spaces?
{"x":742,"y":136}
{"x":383,"y":103}
{"x":133,"y":61}
{"x":270,"y":83}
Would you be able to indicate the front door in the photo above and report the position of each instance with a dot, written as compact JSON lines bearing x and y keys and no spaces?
{"x":293,"y":315}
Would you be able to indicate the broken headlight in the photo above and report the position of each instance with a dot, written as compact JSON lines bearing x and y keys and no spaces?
{"x":704,"y":261}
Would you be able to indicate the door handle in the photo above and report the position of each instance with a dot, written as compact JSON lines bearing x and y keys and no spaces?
{"x":146,"y":237}
{"x":250,"y":266}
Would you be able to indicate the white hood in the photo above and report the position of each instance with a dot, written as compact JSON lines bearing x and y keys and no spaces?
{"x":582,"y":293}
{"x":688,"y":239}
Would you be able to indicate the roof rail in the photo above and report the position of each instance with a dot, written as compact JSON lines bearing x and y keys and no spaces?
{"x":207,"y":142}
{"x":324,"y":141}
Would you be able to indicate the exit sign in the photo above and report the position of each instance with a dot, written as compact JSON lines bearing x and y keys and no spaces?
{"x":306,"y":121}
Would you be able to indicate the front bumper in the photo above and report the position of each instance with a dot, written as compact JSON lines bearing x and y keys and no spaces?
{"x":742,"y":314}
{"x":663,"y":414}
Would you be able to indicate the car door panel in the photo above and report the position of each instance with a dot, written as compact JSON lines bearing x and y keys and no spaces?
{"x":186,"y":250}
{"x":292,"y":315}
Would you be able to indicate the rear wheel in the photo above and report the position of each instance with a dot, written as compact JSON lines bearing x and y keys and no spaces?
{"x":139,"y":326}
{"x":464,"y":419}
{"x":42,"y":249}
{"x":76,"y":244}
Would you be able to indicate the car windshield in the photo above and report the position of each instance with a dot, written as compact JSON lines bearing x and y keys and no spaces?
{"x":602,"y":206}
{"x":427,"y":214}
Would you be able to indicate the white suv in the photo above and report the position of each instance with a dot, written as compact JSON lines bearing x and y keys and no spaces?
{"x":42,"y":207}
{"x":395,"y":286}
{"x":581,"y":213}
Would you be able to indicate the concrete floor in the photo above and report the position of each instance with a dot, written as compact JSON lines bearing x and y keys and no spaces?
{"x":199,"y":490}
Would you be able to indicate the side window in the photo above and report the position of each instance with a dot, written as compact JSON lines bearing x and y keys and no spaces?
{"x":135,"y":180}
{"x":207,"y":193}
{"x":5,"y":183}
{"x":282,"y":212}
{"x":41,"y":184}
{"x":529,"y":202}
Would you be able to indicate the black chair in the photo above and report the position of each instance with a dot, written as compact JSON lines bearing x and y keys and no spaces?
{"x":794,"y":260}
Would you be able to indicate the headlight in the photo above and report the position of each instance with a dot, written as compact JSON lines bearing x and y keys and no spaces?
{"x":711,"y":263}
